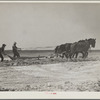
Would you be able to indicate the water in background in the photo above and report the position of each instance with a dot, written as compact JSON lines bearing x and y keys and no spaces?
{"x":35,"y":53}
{"x":32,"y":53}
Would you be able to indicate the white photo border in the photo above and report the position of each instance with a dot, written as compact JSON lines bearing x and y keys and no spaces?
{"x":49,"y":95}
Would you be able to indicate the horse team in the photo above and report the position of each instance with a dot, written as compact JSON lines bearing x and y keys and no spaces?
{"x":70,"y":50}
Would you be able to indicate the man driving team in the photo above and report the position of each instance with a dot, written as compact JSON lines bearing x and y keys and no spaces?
{"x":15,"y":50}
{"x":2,"y":52}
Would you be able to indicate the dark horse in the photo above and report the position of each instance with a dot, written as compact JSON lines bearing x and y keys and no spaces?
{"x":57,"y":50}
{"x":82,"y":47}
{"x":63,"y":50}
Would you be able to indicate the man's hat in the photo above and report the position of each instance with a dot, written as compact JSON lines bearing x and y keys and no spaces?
{"x":4,"y":45}
{"x":15,"y":43}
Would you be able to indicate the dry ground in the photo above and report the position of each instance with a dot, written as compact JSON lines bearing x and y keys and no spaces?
{"x":50,"y":75}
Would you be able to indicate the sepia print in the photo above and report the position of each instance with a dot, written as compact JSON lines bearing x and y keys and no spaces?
{"x":50,"y":47}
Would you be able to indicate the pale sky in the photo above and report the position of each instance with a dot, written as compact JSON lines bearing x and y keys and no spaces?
{"x":48,"y":24}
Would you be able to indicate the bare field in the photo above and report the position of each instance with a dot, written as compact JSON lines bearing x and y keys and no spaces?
{"x":54,"y":74}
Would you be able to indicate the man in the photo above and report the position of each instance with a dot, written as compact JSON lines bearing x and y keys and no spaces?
{"x":2,"y":52}
{"x":15,"y":50}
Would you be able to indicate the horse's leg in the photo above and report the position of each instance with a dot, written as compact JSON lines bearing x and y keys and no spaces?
{"x":57,"y":55}
{"x":63,"y":55}
{"x":76,"y":54}
{"x":86,"y":54}
{"x":83,"y":54}
{"x":72,"y":55}
{"x":66,"y":55}
{"x":60,"y":55}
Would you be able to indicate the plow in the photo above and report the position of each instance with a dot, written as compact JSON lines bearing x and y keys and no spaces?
{"x":38,"y":57}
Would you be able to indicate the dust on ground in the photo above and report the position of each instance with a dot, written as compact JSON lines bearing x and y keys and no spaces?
{"x":50,"y":74}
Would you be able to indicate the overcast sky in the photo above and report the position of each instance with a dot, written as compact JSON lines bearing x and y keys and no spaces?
{"x":48,"y":24}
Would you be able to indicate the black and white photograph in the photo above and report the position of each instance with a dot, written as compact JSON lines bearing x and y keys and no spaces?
{"x":48,"y":47}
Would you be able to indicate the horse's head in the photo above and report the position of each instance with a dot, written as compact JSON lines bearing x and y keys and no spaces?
{"x":92,"y":42}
